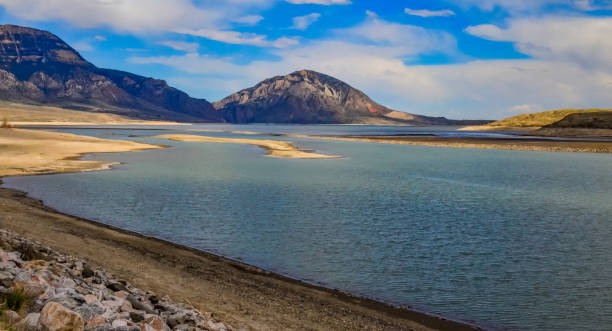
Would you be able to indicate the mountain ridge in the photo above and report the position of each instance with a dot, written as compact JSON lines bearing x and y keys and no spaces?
{"x":38,"y":67}
{"x":310,"y":97}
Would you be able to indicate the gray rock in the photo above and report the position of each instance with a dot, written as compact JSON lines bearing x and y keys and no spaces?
{"x":139,"y":305}
{"x":87,"y":272}
{"x":6,"y":278}
{"x":116,"y":286}
{"x":11,"y":317}
{"x":29,"y":323}
{"x":137,"y":316}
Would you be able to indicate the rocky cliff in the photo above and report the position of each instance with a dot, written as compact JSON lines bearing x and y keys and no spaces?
{"x":310,"y":97}
{"x":38,"y":67}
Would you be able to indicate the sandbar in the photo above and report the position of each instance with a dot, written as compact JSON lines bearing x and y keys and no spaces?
{"x":275,"y":148}
{"x":35,"y":152}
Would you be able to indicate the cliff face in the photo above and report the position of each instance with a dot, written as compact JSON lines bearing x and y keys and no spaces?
{"x":310,"y":97}
{"x":38,"y":67}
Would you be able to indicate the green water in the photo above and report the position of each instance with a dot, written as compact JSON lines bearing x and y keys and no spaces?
{"x":507,"y":239}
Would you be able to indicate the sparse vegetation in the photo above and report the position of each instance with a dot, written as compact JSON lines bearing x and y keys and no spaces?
{"x":542,"y":118}
{"x":14,"y":300}
{"x":5,"y":124}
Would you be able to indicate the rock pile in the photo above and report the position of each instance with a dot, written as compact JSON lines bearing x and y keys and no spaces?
{"x":63,"y":293}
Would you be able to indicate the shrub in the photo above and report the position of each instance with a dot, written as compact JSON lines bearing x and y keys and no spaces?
{"x":14,"y":300}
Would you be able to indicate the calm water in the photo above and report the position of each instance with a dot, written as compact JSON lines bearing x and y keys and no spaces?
{"x":508,"y":239}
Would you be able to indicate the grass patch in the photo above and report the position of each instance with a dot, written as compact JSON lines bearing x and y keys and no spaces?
{"x":14,"y":300}
{"x":543,"y":118}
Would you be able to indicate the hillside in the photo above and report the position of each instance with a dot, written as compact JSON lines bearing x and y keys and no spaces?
{"x":37,"y":67}
{"x":542,"y":118}
{"x":309,"y":97}
{"x":588,"y":120}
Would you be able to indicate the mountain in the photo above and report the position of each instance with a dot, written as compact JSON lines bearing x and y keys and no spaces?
{"x":38,"y":67}
{"x":309,"y":97}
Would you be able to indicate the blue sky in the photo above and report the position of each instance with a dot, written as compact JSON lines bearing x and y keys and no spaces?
{"x":455,"y":58}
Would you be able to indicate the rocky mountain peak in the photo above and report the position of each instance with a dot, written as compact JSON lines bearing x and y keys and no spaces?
{"x":303,"y":96}
{"x":24,"y":51}
{"x":38,"y":67}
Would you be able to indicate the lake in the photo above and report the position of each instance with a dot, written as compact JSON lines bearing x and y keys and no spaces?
{"x":507,"y":239}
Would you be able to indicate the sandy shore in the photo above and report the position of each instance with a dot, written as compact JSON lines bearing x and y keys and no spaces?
{"x":489,"y":143}
{"x":236,"y":293}
{"x":36,"y":115}
{"x":30,"y":152}
{"x":275,"y":148}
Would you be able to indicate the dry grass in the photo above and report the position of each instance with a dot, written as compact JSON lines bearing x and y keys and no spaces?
{"x":542,"y":118}
{"x":21,"y":114}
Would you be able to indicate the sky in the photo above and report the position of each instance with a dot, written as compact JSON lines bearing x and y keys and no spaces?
{"x":463,"y":59}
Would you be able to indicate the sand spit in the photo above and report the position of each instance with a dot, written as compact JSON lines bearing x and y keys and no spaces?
{"x":276,"y":148}
{"x":34,"y":152}
{"x":489,"y":143}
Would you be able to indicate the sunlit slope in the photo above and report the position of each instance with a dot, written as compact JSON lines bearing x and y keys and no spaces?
{"x":544,"y":118}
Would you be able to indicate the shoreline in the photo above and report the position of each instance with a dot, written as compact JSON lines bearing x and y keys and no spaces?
{"x":372,"y":314}
{"x":236,"y":292}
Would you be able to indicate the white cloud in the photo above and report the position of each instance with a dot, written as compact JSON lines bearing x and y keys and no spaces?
{"x":524,"y":109}
{"x":320,"y":2}
{"x":398,"y":39}
{"x":429,"y":13}
{"x":100,"y":38}
{"x":584,"y":41}
{"x":491,"y":89}
{"x":240,"y":38}
{"x":181,"y":45}
{"x":303,"y":22}
{"x":248,"y":19}
{"x":82,"y":46}
{"x":534,"y":5}
{"x":132,"y":16}
{"x":210,"y":19}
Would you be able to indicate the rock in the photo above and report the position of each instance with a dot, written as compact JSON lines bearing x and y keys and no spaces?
{"x":89,"y":311}
{"x":215,"y":326}
{"x":29,"y":323}
{"x":127,"y":307}
{"x":36,"y":265}
{"x":90,"y":298}
{"x":155,"y":323}
{"x":137,"y":316}
{"x":6,"y":278}
{"x":11,"y":317}
{"x":116,"y":286}
{"x":95,"y":322}
{"x":121,"y":294}
{"x":55,"y":317}
{"x":119,"y":323}
{"x":139,"y":305}
{"x":87,"y":272}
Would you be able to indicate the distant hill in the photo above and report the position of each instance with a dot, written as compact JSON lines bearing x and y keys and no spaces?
{"x":309,"y":97}
{"x":544,"y":118}
{"x":587,"y":120}
{"x":37,"y":67}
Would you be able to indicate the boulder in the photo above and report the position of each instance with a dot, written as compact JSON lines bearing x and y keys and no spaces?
{"x":29,"y":323}
{"x":55,"y":317}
